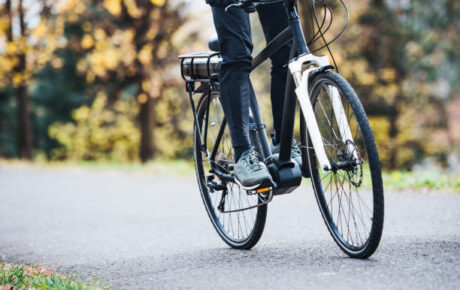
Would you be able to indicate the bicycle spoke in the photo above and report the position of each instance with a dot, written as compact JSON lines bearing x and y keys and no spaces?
{"x":345,"y":191}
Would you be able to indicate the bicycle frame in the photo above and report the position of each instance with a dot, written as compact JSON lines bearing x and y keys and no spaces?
{"x":302,"y":65}
{"x":299,"y":59}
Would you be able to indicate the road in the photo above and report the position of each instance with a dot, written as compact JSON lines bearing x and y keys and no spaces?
{"x":135,"y":230}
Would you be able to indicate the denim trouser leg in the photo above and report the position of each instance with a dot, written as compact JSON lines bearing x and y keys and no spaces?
{"x":273,"y":20}
{"x":234,"y":33}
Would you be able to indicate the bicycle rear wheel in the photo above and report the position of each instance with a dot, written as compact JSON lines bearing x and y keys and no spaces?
{"x":350,"y":199}
{"x":239,"y":228}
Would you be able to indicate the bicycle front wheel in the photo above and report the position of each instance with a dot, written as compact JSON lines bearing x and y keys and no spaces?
{"x":350,"y":198}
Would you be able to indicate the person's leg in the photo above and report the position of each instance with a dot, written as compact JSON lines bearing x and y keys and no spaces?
{"x":234,"y":33}
{"x":274,"y":20}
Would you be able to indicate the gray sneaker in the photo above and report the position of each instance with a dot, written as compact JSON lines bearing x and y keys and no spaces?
{"x":250,"y":172}
{"x":295,"y":152}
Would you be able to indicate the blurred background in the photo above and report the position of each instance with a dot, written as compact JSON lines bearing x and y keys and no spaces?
{"x":99,"y":80}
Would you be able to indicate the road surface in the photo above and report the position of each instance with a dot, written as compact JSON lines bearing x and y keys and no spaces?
{"x":134,"y":230}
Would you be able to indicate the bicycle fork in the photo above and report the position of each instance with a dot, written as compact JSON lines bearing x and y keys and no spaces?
{"x":301,"y":80}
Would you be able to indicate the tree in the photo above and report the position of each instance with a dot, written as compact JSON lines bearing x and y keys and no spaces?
{"x":400,"y":58}
{"x":27,"y":51}
{"x":124,"y":45}
{"x":18,"y":76}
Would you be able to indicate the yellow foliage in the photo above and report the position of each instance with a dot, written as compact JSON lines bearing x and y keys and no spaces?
{"x":87,"y":26}
{"x":99,"y":132}
{"x":145,"y":54}
{"x":133,"y":10}
{"x":381,"y":126}
{"x":81,"y":65}
{"x":11,"y":48}
{"x":112,"y":58}
{"x":145,"y":85}
{"x":142,"y":98}
{"x":79,"y":8}
{"x":57,"y":63}
{"x":40,"y":30}
{"x":17,"y":79}
{"x":158,"y":2}
{"x":99,"y":34}
{"x":81,"y":114}
{"x":90,"y":77}
{"x":87,"y":41}
{"x":61,"y":42}
{"x":113,"y":6}
{"x":414,"y":49}
{"x":388,"y":74}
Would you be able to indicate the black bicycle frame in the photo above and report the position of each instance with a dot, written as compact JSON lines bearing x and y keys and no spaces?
{"x":299,"y":47}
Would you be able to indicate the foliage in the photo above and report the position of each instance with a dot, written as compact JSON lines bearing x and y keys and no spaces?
{"x":85,"y":59}
{"x":36,"y":277}
{"x":119,"y":47}
{"x":430,"y":180}
{"x":99,"y":133}
{"x":399,"y":56}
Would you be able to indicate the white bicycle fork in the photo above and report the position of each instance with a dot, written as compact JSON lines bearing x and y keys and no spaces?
{"x":301,"y":77}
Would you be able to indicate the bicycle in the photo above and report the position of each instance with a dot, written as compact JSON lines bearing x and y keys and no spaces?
{"x":337,"y":144}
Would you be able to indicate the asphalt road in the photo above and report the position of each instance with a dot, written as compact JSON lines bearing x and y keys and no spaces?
{"x":143,"y":231}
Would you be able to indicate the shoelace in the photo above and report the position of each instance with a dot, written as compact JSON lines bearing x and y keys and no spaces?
{"x":295,"y":148}
{"x":252,"y":161}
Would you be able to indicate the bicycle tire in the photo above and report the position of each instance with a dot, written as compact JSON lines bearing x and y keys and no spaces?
{"x":260,"y":212}
{"x":318,"y":83}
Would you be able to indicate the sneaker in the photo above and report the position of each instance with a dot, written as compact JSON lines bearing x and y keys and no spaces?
{"x":295,"y":152}
{"x":250,"y":172}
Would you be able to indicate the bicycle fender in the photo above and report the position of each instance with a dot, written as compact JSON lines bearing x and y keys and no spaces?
{"x":322,"y":69}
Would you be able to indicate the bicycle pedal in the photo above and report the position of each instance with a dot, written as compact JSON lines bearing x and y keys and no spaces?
{"x":260,"y":190}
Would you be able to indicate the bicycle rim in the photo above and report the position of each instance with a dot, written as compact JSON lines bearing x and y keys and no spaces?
{"x":351,"y":200}
{"x":240,"y":229}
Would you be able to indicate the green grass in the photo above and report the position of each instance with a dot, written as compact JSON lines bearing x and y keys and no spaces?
{"x":161,"y":167}
{"x":394,"y":180}
{"x":429,"y":180}
{"x":157,"y":167}
{"x":37,"y":277}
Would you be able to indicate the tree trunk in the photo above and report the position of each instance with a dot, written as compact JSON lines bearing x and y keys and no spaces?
{"x":146,"y":116}
{"x":393,"y":134}
{"x":9,"y":14}
{"x":378,"y":3}
{"x":24,"y":124}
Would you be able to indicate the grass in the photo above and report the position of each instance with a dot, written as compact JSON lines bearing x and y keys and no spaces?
{"x":37,"y":277}
{"x":157,"y":167}
{"x":394,"y":180}
{"x":428,"y":180}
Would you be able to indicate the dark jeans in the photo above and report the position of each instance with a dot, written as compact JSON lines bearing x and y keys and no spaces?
{"x":235,"y":41}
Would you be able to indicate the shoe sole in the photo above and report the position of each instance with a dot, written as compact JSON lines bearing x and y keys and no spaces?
{"x":271,"y":183}
{"x":246,"y":187}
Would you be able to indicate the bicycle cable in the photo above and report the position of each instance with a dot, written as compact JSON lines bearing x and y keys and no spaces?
{"x":316,"y":36}
{"x":319,"y":34}
{"x":325,"y":4}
